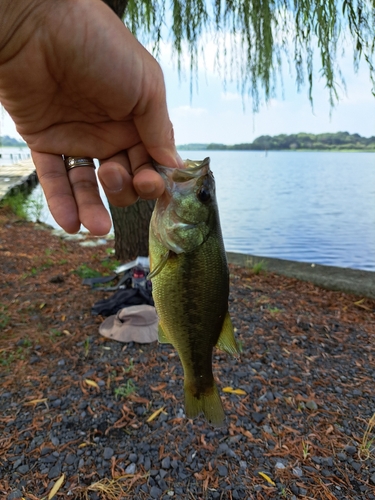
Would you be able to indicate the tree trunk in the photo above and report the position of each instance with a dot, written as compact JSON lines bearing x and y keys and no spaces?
{"x":118,"y":6}
{"x":131,"y":229}
{"x":131,"y":223}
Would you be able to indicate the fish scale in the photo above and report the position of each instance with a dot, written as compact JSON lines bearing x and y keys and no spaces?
{"x":191,"y":285}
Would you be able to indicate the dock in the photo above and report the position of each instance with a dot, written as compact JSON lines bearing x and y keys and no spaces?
{"x":17,"y":175}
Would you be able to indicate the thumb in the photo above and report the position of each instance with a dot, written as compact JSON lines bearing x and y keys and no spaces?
{"x":155,"y":128}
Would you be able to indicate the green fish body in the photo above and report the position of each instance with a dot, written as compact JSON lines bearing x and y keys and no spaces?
{"x":190,"y":281}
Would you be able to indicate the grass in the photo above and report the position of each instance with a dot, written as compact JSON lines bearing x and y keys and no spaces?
{"x":8,"y":357}
{"x":55,"y":334}
{"x":86,"y":347}
{"x":259,"y":267}
{"x":23,"y":206}
{"x":130,"y":367}
{"x":4,"y":316}
{"x":16,"y":201}
{"x":85,"y":271}
{"x":366,"y":447}
{"x":111,"y":265}
{"x":305,"y":449}
{"x":125,"y":390}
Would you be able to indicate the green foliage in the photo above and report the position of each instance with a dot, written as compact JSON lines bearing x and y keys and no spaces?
{"x":34,"y":208}
{"x":339,"y":141}
{"x":85,"y":271}
{"x":16,"y":201}
{"x":111,"y":265}
{"x":125,"y":390}
{"x":254,"y":38}
{"x":23,"y":206}
{"x":259,"y":267}
{"x":4,"y":316}
{"x":6,"y":141}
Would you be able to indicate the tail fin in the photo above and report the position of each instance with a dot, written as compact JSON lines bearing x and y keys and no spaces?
{"x":210,"y":404}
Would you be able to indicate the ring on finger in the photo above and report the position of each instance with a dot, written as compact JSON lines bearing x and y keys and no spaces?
{"x":78,"y":161}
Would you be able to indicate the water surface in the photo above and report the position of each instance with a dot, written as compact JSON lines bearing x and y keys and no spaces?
{"x":316,"y":207}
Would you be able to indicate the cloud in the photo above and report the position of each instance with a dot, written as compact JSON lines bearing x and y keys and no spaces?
{"x":230,"y":96}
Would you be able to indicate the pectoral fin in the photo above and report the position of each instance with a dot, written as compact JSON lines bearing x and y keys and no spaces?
{"x":162,"y":337}
{"x":159,"y":266}
{"x":226,"y":341}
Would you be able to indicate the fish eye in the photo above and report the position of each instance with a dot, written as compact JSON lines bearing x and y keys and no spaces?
{"x":204,"y":195}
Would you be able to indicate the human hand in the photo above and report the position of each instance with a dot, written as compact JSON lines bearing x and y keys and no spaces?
{"x":76,"y":82}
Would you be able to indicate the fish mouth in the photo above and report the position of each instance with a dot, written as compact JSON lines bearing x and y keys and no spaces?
{"x":193,"y":170}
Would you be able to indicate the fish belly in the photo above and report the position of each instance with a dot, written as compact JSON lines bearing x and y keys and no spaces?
{"x":191,"y":299}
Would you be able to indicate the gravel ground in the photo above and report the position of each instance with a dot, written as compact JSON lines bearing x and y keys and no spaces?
{"x":80,"y":408}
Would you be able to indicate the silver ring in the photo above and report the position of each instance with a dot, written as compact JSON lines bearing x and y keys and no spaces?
{"x":78,"y":161}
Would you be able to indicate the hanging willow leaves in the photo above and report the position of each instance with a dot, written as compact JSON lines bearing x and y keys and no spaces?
{"x":254,"y":38}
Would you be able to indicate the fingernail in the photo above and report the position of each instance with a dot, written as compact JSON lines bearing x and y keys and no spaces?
{"x":146,"y":187}
{"x":112,"y":180}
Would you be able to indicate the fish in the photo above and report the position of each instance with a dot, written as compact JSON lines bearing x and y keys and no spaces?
{"x":190,"y":281}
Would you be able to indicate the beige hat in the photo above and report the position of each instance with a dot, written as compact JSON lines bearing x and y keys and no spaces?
{"x":132,"y":324}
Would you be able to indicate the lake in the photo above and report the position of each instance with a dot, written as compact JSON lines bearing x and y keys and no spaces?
{"x":316,"y":207}
{"x":10,"y":155}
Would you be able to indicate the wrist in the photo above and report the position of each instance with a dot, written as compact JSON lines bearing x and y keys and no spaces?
{"x":18,"y":20}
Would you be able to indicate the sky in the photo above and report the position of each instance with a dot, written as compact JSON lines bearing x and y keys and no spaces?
{"x":214,"y":114}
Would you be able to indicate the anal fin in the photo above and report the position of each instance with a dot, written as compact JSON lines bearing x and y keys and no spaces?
{"x":226,"y":341}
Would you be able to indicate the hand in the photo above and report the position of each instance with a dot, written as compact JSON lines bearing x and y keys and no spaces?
{"x":76,"y":82}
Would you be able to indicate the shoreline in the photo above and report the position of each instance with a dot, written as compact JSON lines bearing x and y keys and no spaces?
{"x":354,"y":281}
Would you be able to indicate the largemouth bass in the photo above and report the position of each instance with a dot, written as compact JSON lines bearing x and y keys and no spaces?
{"x":190,"y":281}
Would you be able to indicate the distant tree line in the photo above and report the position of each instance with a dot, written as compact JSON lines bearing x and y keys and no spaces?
{"x":10,"y":141}
{"x":339,"y":141}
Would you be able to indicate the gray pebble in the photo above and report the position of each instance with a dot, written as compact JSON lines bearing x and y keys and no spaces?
{"x":166,"y":463}
{"x":55,"y":441}
{"x":133,"y":457}
{"x":15,"y":494}
{"x":54,"y":471}
{"x":311,"y":405}
{"x":108,"y":453}
{"x":297,"y":471}
{"x":294,"y":489}
{"x":350,"y":450}
{"x":342,"y":456}
{"x":23,"y":469}
{"x":372,"y":478}
{"x":222,"y":470}
{"x":356,"y":466}
{"x":155,"y":492}
{"x":162,"y":484}
{"x":17,"y":463}
{"x":130,"y":469}
{"x":258,"y":417}
{"x":327,"y":461}
{"x":279,"y":465}
{"x":61,"y":362}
